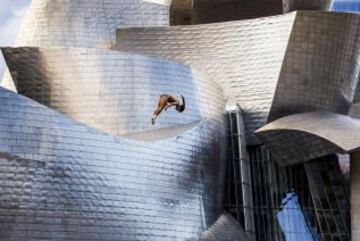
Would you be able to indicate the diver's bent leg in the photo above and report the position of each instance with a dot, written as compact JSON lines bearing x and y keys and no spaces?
{"x":157,"y":112}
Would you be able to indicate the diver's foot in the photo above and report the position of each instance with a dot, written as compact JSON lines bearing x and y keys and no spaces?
{"x":152,"y":121}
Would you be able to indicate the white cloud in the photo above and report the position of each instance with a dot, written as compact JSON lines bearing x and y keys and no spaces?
{"x":9,"y":31}
{"x":19,"y":11}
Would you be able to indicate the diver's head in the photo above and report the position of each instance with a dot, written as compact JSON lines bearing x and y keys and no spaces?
{"x":180,"y":108}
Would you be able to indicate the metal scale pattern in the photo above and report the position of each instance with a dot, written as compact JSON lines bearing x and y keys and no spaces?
{"x":120,"y":89}
{"x":269,"y":79}
{"x":70,"y":175}
{"x":62,"y":180}
{"x":305,"y":138}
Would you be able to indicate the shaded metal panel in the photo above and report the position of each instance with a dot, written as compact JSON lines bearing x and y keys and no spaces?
{"x":112,"y":91}
{"x":355,"y":110}
{"x":289,"y":147}
{"x":293,"y":5}
{"x":321,"y":65}
{"x":226,"y":228}
{"x":181,"y":12}
{"x":301,"y":137}
{"x":65,"y":181}
{"x":211,"y":11}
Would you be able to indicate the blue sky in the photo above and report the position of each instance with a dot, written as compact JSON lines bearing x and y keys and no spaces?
{"x":346,"y":5}
{"x":12,"y":13}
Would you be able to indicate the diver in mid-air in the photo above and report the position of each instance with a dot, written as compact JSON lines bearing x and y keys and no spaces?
{"x":165,"y":102}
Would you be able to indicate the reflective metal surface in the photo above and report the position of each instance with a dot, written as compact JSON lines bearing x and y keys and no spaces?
{"x":310,"y":135}
{"x":113,"y":91}
{"x":352,"y":6}
{"x":63,"y":180}
{"x":69,"y":180}
{"x":226,"y":228}
{"x":84,"y":23}
{"x":286,"y":75}
{"x":315,"y":75}
{"x":236,"y":54}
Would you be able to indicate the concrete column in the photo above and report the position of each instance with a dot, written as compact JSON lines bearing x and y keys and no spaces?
{"x":355,"y":195}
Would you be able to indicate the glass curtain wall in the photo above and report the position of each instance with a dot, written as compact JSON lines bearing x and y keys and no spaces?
{"x":239,"y":194}
{"x":305,"y":202}
{"x":302,"y":202}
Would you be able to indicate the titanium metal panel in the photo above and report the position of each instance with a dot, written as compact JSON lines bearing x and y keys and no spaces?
{"x":238,"y":55}
{"x":321,"y":66}
{"x":354,"y":7}
{"x":286,"y":75}
{"x":302,"y":137}
{"x":112,"y":91}
{"x":62,"y":180}
{"x":84,"y":23}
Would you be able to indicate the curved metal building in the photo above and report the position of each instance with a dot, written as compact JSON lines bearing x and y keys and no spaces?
{"x":336,"y":134}
{"x":120,"y":89}
{"x":267,"y":78}
{"x":63,"y":179}
{"x":84,"y":23}
{"x":323,"y":79}
{"x":267,"y":101}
